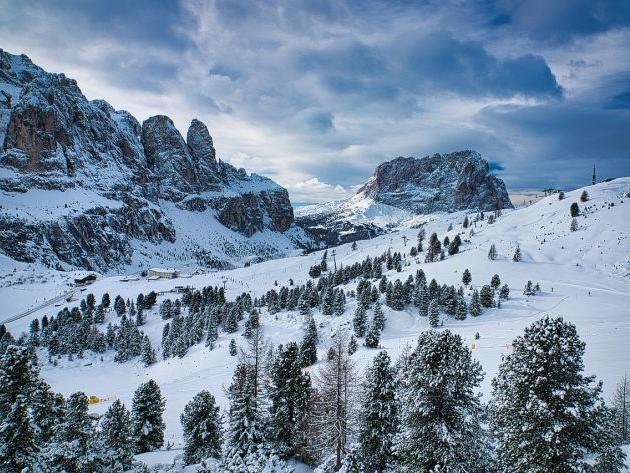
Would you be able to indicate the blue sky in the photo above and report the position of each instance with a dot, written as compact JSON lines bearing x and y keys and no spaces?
{"x":316,"y":93}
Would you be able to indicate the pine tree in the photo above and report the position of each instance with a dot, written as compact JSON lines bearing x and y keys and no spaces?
{"x":373,"y":337}
{"x":486,"y":296}
{"x":308,"y":347}
{"x":359,"y":322}
{"x":245,"y":434}
{"x":504,"y":293}
{"x":574,"y":210}
{"x":517,"y":254}
{"x":339,"y":304}
{"x":546,"y":415}
{"x":289,"y":393}
{"x":148,"y":355}
{"x":584,"y":196}
{"x":18,"y":451}
{"x":146,"y":417}
{"x":378,"y":419}
{"x":466,"y":277}
{"x":440,"y":410}
{"x":233,"y":350}
{"x":621,"y":408}
{"x":475,"y":306}
{"x":117,"y":437}
{"x":119,"y":306}
{"x":574,"y":225}
{"x":352,"y":345}
{"x":434,"y":313}
{"x":462,"y":308}
{"x":73,"y":436}
{"x":422,"y":300}
{"x":18,"y":377}
{"x":202,"y":428}
{"x":495,"y":282}
{"x":492,"y":253}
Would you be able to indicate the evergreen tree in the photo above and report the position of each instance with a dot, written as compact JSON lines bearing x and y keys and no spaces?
{"x":119,"y":306}
{"x":574,"y":225}
{"x":434,"y":313}
{"x":462,"y":308}
{"x":439,"y":409}
{"x":18,"y":377}
{"x":517,"y":254}
{"x":584,"y":196}
{"x":475,"y":305}
{"x":105,"y":300}
{"x":233,"y":350}
{"x":289,"y":393}
{"x":117,"y":437}
{"x":547,"y":416}
{"x":486,"y":296}
{"x":328,"y":301}
{"x":422,"y":300}
{"x":466,"y":277}
{"x":339,"y":304}
{"x":147,"y":355}
{"x":73,"y":436}
{"x":373,"y":337}
{"x":504,"y":293}
{"x":378,"y":419}
{"x":146,"y":417}
{"x":495,"y":282}
{"x":308,"y":347}
{"x":201,"y":424}
{"x":492,"y":253}
{"x":574,"y":210}
{"x":18,"y":451}
{"x":359,"y":322}
{"x":352,"y":345}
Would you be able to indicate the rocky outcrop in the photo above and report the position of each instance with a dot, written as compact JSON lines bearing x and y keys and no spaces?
{"x":402,"y":189}
{"x":438,"y":183}
{"x":132,"y":178}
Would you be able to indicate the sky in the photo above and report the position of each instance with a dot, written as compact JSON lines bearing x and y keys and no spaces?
{"x":315,"y":93}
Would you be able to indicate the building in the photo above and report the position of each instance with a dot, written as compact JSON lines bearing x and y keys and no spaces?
{"x":165,"y":273}
{"x":84,"y":281}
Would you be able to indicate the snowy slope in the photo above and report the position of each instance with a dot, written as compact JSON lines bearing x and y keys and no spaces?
{"x":584,"y":277}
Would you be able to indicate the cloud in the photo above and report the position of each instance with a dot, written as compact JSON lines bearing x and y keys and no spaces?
{"x":313,"y":190}
{"x":295,"y":89}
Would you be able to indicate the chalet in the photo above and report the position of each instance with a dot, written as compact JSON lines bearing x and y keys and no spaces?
{"x":162,"y":273}
{"x":84,"y":281}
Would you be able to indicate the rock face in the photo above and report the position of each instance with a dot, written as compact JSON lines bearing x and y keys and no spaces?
{"x":442,"y":182}
{"x":131,"y":187}
{"x":403,"y":188}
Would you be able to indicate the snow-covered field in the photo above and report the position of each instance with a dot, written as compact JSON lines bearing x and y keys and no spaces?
{"x":584,"y":276}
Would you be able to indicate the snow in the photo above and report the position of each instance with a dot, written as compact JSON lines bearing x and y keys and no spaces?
{"x":584,"y":277}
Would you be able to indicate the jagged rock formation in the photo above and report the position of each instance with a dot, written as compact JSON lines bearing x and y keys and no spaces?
{"x":403,"y":188}
{"x":438,"y":183}
{"x":132,"y":187}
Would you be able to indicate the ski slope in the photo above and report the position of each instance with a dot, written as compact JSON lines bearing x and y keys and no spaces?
{"x":584,"y":277}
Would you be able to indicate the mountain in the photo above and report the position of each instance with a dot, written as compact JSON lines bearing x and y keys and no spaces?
{"x":86,"y":186}
{"x":403,"y":188}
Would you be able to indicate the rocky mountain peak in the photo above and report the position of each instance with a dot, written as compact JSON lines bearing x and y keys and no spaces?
{"x":441,"y":182}
{"x":200,"y":143}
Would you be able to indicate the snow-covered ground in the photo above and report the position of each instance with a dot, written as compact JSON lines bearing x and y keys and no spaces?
{"x":584,"y":277}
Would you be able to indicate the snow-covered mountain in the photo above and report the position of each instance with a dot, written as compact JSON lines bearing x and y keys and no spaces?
{"x":583,"y":273}
{"x":85,"y":186}
{"x":404,"y":188}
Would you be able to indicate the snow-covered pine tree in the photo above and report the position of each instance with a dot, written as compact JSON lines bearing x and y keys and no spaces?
{"x":147,"y":355}
{"x":492,"y":253}
{"x":339,"y":304}
{"x":517,"y":254}
{"x":359,"y":321}
{"x":378,"y":418}
{"x":378,"y":317}
{"x":466,"y":277}
{"x":495,"y":282}
{"x":116,"y":437}
{"x":486,"y":296}
{"x":146,"y":417}
{"x":308,"y":347}
{"x":434,"y":313}
{"x":18,"y":451}
{"x":335,"y":403}
{"x":574,"y":210}
{"x":504,"y":293}
{"x":289,"y":392}
{"x":73,"y":437}
{"x":621,"y":408}
{"x":352,"y":345}
{"x":574,"y":225}
{"x":462,"y":308}
{"x":328,"y":301}
{"x":475,"y":305}
{"x":372,"y":337}
{"x":233,"y":350}
{"x":18,"y":377}
{"x":202,"y":428}
{"x":546,"y":415}
{"x":439,"y":409}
